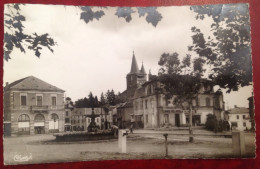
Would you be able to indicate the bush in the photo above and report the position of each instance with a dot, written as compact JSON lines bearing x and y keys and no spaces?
{"x":213,"y":124}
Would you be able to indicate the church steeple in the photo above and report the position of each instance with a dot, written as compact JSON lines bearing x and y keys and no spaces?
{"x":136,"y":77}
{"x":142,"y":71}
{"x":134,"y":66}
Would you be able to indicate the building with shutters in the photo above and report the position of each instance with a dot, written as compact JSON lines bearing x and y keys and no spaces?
{"x":144,"y":103}
{"x":239,"y":118}
{"x":32,"y":106}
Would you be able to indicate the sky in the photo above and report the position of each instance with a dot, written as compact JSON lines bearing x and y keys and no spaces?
{"x":97,"y":56}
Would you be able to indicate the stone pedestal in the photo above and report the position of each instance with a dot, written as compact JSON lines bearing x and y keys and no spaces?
{"x":238,"y":143}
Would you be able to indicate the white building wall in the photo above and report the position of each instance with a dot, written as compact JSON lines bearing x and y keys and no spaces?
{"x":242,"y":124}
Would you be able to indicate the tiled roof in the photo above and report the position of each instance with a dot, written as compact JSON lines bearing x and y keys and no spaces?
{"x":238,"y":110}
{"x":32,"y":83}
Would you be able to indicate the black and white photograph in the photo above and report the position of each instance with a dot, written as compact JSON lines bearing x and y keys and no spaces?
{"x":90,"y":83}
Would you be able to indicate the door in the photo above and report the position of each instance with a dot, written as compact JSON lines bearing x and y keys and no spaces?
{"x":177,"y":120}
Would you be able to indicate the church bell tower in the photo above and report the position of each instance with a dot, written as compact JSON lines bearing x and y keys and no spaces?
{"x":135,"y":78}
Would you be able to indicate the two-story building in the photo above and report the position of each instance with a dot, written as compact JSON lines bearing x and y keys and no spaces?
{"x":144,"y":102}
{"x":239,"y":118}
{"x":32,"y":106}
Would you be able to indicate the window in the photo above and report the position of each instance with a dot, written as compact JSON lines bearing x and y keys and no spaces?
{"x":142,"y":104}
{"x":54,"y":117}
{"x":234,"y":124}
{"x":207,"y":102}
{"x":244,"y":124}
{"x":23,"y":118}
{"x":67,"y":113}
{"x":244,"y":116}
{"x":67,"y":120}
{"x":39,"y":117}
{"x":23,"y":100}
{"x":97,"y":120}
{"x":146,"y":118}
{"x":237,"y":116}
{"x":146,"y":104}
{"x":39,"y":100}
{"x":152,"y":103}
{"x":53,"y":101}
{"x":88,"y":120}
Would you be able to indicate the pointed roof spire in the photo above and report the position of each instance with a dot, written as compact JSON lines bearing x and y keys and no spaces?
{"x":134,"y":66}
{"x":142,"y":69}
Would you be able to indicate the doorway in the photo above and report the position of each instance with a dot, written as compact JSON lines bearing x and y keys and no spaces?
{"x":39,"y":130}
{"x":177,"y":120}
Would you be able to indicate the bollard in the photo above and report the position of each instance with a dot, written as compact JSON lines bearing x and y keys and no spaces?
{"x":166,"y":145}
{"x":238,"y":143}
{"x":120,"y":135}
{"x":191,"y":135}
{"x":122,"y":140}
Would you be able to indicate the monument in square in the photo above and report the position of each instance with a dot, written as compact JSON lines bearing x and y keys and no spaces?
{"x":93,"y":132}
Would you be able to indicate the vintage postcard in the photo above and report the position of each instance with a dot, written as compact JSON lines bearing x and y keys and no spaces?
{"x":86,"y":83}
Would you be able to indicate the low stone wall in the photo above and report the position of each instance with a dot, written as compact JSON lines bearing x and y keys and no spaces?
{"x":85,"y":136}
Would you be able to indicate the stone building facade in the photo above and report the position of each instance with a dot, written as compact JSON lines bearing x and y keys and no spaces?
{"x":32,"y":106}
{"x":145,"y":104}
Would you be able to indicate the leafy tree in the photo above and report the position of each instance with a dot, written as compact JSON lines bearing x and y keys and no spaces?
{"x":228,"y":51}
{"x":184,"y":88}
{"x":15,"y":37}
{"x":186,"y":62}
{"x":69,"y":101}
{"x":170,"y":63}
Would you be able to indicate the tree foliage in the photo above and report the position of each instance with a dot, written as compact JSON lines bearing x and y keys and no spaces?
{"x":185,"y":85}
{"x":109,"y":99}
{"x":15,"y":37}
{"x":229,"y":49}
{"x":150,"y":13}
{"x":88,"y":14}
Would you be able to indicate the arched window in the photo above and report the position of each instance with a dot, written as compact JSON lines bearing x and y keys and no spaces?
{"x":207,"y":101}
{"x":23,"y":118}
{"x":54,"y":117}
{"x":39,"y":117}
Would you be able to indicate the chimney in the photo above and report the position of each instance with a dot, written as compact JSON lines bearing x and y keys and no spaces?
{"x":6,"y":84}
{"x":235,"y":106}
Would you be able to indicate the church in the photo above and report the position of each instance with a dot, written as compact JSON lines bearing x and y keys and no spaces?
{"x":148,"y":107}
